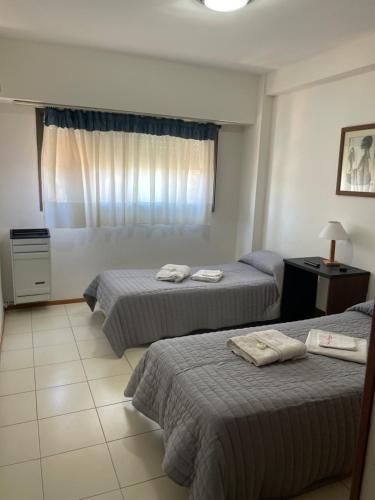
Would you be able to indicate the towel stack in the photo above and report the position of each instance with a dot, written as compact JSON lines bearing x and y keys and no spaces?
{"x":337,"y":346}
{"x":208,"y":275}
{"x":173,"y":272}
{"x":266,"y":347}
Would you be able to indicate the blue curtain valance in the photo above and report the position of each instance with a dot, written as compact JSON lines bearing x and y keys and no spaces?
{"x":118,"y":122}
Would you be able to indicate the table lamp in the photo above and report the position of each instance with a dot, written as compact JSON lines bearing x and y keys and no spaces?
{"x":333,"y":231}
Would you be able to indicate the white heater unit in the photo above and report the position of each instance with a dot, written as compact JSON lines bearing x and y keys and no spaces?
{"x":31,"y":265}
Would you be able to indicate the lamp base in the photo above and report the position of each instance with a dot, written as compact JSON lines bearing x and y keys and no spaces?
{"x":331,"y":263}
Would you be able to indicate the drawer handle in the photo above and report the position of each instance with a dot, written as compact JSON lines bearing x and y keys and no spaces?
{"x":40,"y":283}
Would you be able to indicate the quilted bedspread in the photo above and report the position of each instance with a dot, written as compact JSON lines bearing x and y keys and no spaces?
{"x":139,"y":309}
{"x":233,"y":431}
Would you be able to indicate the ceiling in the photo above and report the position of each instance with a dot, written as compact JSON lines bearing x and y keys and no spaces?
{"x":265,"y":35}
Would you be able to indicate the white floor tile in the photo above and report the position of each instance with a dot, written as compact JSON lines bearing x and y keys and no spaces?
{"x":18,"y":313}
{"x":112,"y":495}
{"x":57,"y":374}
{"x":134,"y":355}
{"x":19,"y":443}
{"x":17,"y":327}
{"x":88,"y":319}
{"x":156,"y":489}
{"x":55,"y":354}
{"x":106,"y":366}
{"x":53,"y":337}
{"x":138,"y":458}
{"x":47,"y":314}
{"x":77,"y":308}
{"x":15,"y":360}
{"x":64,"y":399}
{"x":336,"y":491}
{"x":17,"y":408}
{"x":54,"y":310}
{"x":17,"y":341}
{"x":78,"y":474}
{"x":69,"y":432}
{"x":15,"y":381}
{"x":21,"y":481}
{"x":88,"y":332}
{"x":51,"y":323}
{"x":123,"y":420}
{"x":110,"y":390}
{"x":94,"y":348}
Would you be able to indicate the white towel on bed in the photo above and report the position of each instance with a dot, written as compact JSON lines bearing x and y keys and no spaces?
{"x":266,"y":347}
{"x":173,"y":272}
{"x":358,"y":356}
{"x":208,"y":275}
{"x":332,"y":340}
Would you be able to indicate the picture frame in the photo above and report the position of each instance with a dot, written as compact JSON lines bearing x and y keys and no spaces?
{"x":356,"y":170}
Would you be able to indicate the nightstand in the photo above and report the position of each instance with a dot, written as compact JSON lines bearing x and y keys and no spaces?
{"x":347,"y":286}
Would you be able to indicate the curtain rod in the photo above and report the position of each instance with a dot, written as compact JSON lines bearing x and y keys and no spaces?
{"x":39,"y":104}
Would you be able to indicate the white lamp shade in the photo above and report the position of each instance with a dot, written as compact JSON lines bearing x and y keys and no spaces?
{"x":333,"y":231}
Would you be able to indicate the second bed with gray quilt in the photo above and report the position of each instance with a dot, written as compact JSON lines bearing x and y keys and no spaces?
{"x":233,"y":431}
{"x":139,"y":309}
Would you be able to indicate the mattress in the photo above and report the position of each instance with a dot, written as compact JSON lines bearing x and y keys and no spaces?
{"x":139,"y":309}
{"x":234,"y":431}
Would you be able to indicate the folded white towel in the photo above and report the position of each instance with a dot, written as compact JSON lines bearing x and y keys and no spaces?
{"x":358,"y":356}
{"x":208,"y":275}
{"x":173,"y":272}
{"x":336,"y":341}
{"x":266,"y":347}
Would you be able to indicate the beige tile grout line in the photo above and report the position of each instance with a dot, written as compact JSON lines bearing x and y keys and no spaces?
{"x":69,"y":413}
{"x":83,"y":448}
{"x":37,"y":420}
{"x":100,"y":422}
{"x":73,"y":413}
{"x":97,"y":414}
{"x":60,"y":363}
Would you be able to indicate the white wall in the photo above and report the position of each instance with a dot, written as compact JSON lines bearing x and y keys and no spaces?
{"x":78,"y":254}
{"x":112,"y":80}
{"x":304,"y":159}
{"x":75,"y":76}
{"x":254,"y":175}
{"x":352,"y":58}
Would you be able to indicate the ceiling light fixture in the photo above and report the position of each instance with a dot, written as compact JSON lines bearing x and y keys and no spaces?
{"x":225,"y":5}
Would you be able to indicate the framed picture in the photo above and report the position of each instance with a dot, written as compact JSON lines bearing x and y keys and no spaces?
{"x":356,"y":174}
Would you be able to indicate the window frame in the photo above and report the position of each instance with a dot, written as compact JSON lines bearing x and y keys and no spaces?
{"x":39,"y":122}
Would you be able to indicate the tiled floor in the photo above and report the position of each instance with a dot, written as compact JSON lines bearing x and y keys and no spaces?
{"x":66,"y":430}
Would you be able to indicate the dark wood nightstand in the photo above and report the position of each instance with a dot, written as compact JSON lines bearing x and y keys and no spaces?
{"x":346,"y":286}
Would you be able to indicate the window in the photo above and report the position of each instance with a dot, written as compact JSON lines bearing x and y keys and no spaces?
{"x":109,"y":169}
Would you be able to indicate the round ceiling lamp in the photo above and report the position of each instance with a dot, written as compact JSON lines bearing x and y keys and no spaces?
{"x":225,"y":5}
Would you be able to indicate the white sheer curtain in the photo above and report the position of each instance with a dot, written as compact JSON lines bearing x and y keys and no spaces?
{"x":110,"y":178}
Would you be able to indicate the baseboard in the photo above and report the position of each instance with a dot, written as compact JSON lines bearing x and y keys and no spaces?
{"x":45,"y":303}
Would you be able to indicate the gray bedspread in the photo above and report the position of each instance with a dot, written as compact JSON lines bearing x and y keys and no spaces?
{"x":237,"y":432}
{"x":139,"y":309}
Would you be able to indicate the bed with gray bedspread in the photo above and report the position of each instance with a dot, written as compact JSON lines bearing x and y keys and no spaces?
{"x":233,"y":431}
{"x":139,"y":309}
